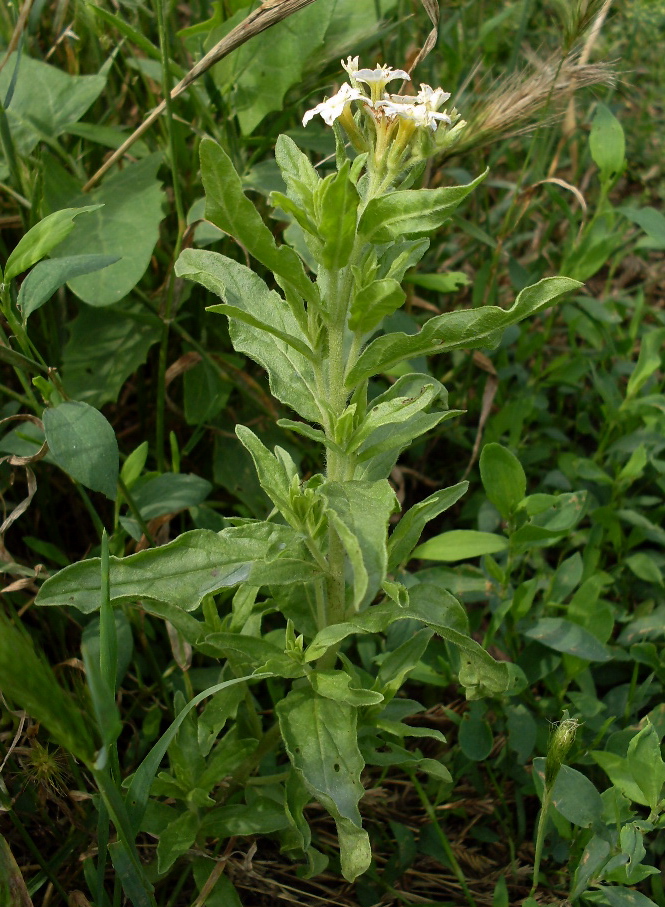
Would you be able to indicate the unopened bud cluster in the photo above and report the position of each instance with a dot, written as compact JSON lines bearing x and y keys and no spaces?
{"x":396,"y":131}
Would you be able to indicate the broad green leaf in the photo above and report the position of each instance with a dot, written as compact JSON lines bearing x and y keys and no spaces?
{"x":503,"y":478}
{"x":338,"y":201}
{"x":176,"y":839}
{"x":262,"y":817}
{"x":475,"y":736}
{"x":618,"y":896}
{"x":550,"y":516}
{"x":646,"y":764}
{"x":170,"y":492}
{"x":360,"y":511}
{"x":82,"y":442}
{"x":618,"y":771}
{"x":406,"y":534}
{"x":29,"y":682}
{"x":126,"y":228}
{"x":321,"y":740}
{"x":46,"y":100}
{"x":565,"y":636}
{"x":590,"y":866}
{"x":228,"y":208}
{"x":41,"y":239}
{"x":607,"y":143}
{"x":48,"y":276}
{"x":459,"y":545}
{"x":574,"y":796}
{"x":290,"y":372}
{"x":651,"y":221}
{"x":264,"y":69}
{"x":467,"y":329}
{"x":479,"y":673}
{"x":373,"y":303}
{"x":95,"y":372}
{"x":336,"y":685}
{"x":182,"y":572}
{"x":644,"y":566}
{"x":410,"y":212}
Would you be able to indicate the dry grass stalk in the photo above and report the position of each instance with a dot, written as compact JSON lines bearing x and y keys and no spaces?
{"x":516,"y":105}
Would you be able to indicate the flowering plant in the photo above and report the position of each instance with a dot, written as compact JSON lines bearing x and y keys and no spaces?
{"x":321,"y":569}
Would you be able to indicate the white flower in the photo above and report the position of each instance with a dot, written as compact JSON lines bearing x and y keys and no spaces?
{"x":411,"y":109}
{"x":433,"y":98}
{"x":380,"y":76}
{"x":333,"y":108}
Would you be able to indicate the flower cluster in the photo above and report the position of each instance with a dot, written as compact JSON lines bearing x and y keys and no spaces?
{"x":421,"y":109}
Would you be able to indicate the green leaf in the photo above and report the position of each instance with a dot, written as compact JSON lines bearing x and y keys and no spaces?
{"x":43,"y":238}
{"x":126,"y":228}
{"x":410,"y":212}
{"x":176,"y":839}
{"x":228,"y":208}
{"x":336,"y":685}
{"x":182,"y":572}
{"x":298,"y":173}
{"x":595,"y":856}
{"x":157,"y":495}
{"x":83,"y":443}
{"x":272,"y":473}
{"x":648,"y":361}
{"x":95,"y":372}
{"x":338,"y":205}
{"x":401,"y":661}
{"x":466,"y":329}
{"x":276,"y":344}
{"x":46,"y":100}
{"x":48,"y":276}
{"x":406,"y":534}
{"x":565,"y":636}
{"x":138,"y":792}
{"x":262,"y":71}
{"x":478,"y":673}
{"x":374,"y":620}
{"x":321,"y":740}
{"x":618,"y":771}
{"x":475,"y":736}
{"x":646,"y":764}
{"x":607,"y":143}
{"x":262,"y":817}
{"x":26,"y":679}
{"x":459,"y":545}
{"x":574,"y":796}
{"x":373,"y":303}
{"x":360,"y":511}
{"x":503,"y":478}
{"x":618,"y":896}
{"x":644,"y":566}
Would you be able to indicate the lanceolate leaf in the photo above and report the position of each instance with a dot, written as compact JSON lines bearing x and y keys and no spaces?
{"x":42,"y":238}
{"x":412,"y":212}
{"x":360,"y":512}
{"x":467,"y":329}
{"x":48,"y":276}
{"x":269,"y":332}
{"x":228,"y":208}
{"x":321,"y":740}
{"x":337,"y":221}
{"x":193,"y":565}
{"x":406,"y":534}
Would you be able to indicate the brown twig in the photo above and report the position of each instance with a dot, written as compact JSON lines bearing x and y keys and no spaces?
{"x":269,"y":13}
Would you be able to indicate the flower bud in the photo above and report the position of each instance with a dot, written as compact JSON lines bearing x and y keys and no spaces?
{"x":561,"y":740}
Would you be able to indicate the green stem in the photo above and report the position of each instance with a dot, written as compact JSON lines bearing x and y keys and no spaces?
{"x":540,"y":837}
